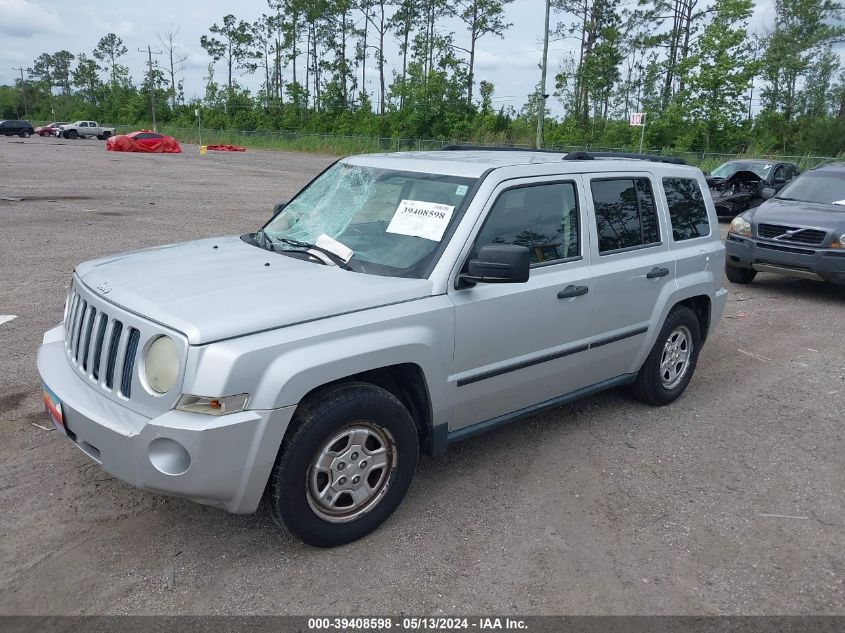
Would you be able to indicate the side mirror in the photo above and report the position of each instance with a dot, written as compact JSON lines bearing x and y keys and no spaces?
{"x":499,"y":264}
{"x":768,"y":193}
{"x":281,"y":204}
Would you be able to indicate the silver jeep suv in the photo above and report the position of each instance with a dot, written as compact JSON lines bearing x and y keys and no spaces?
{"x":399,"y":303}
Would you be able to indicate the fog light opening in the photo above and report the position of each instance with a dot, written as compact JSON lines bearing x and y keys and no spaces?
{"x":169,"y":456}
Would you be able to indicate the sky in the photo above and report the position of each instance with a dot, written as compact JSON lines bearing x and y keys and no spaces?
{"x":31,"y":27}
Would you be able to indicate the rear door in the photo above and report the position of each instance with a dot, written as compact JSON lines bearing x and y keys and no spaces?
{"x":633,"y":267}
{"x":521,"y":344}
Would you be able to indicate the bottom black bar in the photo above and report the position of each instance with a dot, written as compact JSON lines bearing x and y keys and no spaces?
{"x":351,"y":624}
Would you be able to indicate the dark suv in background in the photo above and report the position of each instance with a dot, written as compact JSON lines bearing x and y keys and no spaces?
{"x":798,"y":232}
{"x":23,"y":129}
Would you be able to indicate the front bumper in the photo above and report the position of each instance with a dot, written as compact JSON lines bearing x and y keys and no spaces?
{"x":230,"y":456}
{"x":806,"y":262}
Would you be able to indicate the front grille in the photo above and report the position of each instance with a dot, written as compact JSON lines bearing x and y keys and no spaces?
{"x":100,"y":346}
{"x":794,"y":234}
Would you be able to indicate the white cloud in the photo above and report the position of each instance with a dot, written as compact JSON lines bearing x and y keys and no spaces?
{"x":121,"y":27}
{"x":22,"y":18}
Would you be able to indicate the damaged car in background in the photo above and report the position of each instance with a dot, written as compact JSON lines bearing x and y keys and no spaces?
{"x":800,"y":232}
{"x":737,"y":185}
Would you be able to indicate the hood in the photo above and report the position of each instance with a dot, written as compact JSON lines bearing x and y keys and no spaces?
{"x":828,"y":217}
{"x":210,"y":293}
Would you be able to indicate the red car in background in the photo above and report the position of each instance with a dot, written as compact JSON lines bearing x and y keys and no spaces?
{"x":143,"y":141}
{"x":49,"y":129}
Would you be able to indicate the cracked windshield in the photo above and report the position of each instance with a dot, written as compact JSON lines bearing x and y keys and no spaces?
{"x":392,"y":221}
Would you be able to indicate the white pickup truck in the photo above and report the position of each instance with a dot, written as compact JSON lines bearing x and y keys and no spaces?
{"x":85,"y":129}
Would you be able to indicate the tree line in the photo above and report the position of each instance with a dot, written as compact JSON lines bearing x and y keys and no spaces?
{"x":704,"y":81}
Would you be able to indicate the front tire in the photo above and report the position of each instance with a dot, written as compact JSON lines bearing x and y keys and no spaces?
{"x":26,"y":134}
{"x":346,"y":465}
{"x":740,"y":275}
{"x":668,"y":369}
{"x":72,"y":134}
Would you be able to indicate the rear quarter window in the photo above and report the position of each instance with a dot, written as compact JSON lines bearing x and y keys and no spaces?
{"x":687,"y":210}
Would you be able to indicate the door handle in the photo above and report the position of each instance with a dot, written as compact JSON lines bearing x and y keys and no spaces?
{"x":572,"y":291}
{"x":656,"y":272}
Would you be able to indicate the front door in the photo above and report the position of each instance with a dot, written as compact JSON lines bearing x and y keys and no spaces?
{"x":518,"y":345}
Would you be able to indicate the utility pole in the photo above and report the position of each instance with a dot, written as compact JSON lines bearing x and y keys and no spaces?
{"x":751,"y":87}
{"x":150,"y":54}
{"x":23,"y":92}
{"x":543,"y":95}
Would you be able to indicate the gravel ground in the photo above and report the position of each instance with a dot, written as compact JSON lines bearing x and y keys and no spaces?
{"x":729,"y":501}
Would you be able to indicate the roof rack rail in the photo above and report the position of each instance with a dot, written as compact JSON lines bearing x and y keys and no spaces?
{"x":494,"y":148}
{"x":595,"y":155}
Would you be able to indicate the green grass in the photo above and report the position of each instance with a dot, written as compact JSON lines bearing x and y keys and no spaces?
{"x":344,"y":145}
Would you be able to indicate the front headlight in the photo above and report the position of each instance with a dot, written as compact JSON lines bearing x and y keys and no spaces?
{"x":741,"y":226}
{"x":839,"y":243}
{"x":161,"y":364}
{"x":213,"y":406}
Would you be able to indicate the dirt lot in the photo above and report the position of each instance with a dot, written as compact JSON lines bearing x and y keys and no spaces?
{"x":732,"y":500}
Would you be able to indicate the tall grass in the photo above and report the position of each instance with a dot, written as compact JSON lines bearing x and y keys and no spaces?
{"x":339,"y":145}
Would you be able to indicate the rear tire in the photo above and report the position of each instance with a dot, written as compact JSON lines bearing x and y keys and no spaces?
{"x":669,"y":367}
{"x":106,"y":135}
{"x":345,"y":466}
{"x":740,"y":275}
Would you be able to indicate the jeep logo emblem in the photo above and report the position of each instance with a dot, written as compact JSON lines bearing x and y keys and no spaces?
{"x":104,"y":287}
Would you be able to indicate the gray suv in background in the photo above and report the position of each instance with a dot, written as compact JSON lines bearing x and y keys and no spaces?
{"x":399,"y":303}
{"x":800,"y":232}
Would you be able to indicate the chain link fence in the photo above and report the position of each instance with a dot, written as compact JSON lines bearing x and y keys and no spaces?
{"x":354,"y":144}
{"x":347,"y":144}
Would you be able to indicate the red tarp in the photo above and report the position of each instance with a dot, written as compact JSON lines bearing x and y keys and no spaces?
{"x":143,"y":141}
{"x":226,"y":148}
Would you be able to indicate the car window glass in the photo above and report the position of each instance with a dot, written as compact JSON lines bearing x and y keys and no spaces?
{"x":823,"y":187}
{"x":626,"y":216}
{"x":543,"y":218}
{"x":780,"y":173}
{"x":687,"y":210}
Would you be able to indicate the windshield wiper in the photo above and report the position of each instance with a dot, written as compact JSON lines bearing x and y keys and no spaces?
{"x":337,"y":259}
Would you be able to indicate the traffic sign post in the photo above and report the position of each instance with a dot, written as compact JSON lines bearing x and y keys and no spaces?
{"x":638,"y":120}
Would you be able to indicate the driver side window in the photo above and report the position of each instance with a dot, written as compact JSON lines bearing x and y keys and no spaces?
{"x":542,"y":217}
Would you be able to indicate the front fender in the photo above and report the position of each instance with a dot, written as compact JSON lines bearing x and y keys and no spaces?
{"x":278,"y":368}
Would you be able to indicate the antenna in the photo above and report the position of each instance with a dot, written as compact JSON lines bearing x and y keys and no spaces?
{"x":150,"y":54}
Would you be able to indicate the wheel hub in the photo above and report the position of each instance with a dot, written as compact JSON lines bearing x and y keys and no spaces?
{"x":351,"y":472}
{"x":675,"y":360}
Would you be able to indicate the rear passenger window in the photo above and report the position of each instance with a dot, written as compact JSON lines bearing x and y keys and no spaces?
{"x":625,"y":213}
{"x":686,"y":208}
{"x":543,"y":218}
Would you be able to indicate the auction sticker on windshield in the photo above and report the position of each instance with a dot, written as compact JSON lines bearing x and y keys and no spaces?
{"x":418,"y":218}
